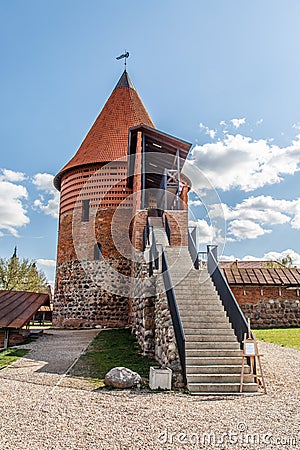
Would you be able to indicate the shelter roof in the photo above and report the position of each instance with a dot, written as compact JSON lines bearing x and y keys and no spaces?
{"x":18,"y":307}
{"x":263,"y":276}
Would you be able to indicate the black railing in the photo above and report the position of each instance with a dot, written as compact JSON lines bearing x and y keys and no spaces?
{"x":231,"y":306}
{"x":167,"y":228}
{"x":176,"y":321}
{"x":153,"y":255}
{"x":146,"y":235}
{"x":193,"y":250}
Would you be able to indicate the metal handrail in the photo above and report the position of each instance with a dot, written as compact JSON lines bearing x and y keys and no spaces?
{"x":231,"y":306}
{"x":153,"y":255}
{"x":193,"y":250}
{"x":146,"y":235}
{"x":168,"y":230}
{"x":176,"y":321}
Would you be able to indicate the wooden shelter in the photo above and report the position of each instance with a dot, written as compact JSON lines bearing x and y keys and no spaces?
{"x":16,"y":310}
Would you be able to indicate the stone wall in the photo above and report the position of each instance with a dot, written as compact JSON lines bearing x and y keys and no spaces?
{"x":90,"y":293}
{"x":143,"y":308}
{"x":166,"y":352}
{"x":269,"y":306}
{"x":152,"y":323}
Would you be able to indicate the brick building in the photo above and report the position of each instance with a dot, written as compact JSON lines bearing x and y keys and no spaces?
{"x":126,"y":257}
{"x":106,"y":190}
{"x":267,"y":292}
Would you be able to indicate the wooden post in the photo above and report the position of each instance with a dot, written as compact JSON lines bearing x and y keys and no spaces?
{"x":6,"y":338}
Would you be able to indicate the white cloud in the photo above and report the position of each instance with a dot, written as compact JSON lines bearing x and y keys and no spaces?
{"x":222,"y":123}
{"x":296,"y":125}
{"x":10,"y":175}
{"x":47,"y":262}
{"x":263,"y":209}
{"x":256,"y":213}
{"x":238,"y":122}
{"x":210,"y":132}
{"x":195,"y":203}
{"x":269,"y":256}
{"x":277,"y":256}
{"x":246,"y":229}
{"x":205,"y":232}
{"x":12,"y":212}
{"x":49,"y":206}
{"x":238,"y":161}
{"x":259,"y":121}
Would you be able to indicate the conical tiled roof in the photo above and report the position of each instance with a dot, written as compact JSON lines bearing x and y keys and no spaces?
{"x":107,"y":140}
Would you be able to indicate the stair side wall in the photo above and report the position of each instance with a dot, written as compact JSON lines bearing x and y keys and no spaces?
{"x":166,"y":351}
{"x":152,"y":322}
{"x":143,"y":308}
{"x":178,"y":222}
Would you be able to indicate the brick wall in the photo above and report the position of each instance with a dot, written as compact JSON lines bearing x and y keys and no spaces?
{"x":269,"y":306}
{"x":89,"y":292}
{"x":139,"y":224}
{"x":178,"y":222}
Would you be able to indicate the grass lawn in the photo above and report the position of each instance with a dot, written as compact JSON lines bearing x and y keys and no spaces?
{"x":111,"y":348}
{"x":9,"y":356}
{"x":287,"y":337}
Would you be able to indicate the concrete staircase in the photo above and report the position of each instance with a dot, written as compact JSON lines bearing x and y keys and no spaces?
{"x":159,"y":231}
{"x":213,"y":355}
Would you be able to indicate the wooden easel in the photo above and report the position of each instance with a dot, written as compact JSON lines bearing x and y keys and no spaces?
{"x":250,"y":350}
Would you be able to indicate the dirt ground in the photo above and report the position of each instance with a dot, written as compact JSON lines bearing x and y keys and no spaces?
{"x":43,"y":408}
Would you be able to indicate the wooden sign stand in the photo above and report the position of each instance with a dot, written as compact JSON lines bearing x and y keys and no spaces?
{"x":250,"y":350}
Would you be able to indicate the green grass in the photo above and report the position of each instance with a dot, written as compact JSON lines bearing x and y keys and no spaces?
{"x":286,"y":337}
{"x":9,"y":356}
{"x":111,"y":348}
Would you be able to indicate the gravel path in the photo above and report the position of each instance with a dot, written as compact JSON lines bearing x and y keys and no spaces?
{"x":37,"y":413}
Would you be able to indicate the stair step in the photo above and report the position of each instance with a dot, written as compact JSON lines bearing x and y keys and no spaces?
{"x":220,"y":388}
{"x":209,"y":331}
{"x":215,"y":369}
{"x":199,"y":314}
{"x":218,"y":378}
{"x":211,"y":352}
{"x":205,"y":322}
{"x":193,"y":345}
{"x":213,"y":360}
{"x":195,"y":306}
{"x":206,"y":338}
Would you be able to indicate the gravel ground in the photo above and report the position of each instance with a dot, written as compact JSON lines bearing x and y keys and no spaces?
{"x":42,"y":409}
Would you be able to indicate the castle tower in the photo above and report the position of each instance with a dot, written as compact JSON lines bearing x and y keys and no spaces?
{"x":92,"y":185}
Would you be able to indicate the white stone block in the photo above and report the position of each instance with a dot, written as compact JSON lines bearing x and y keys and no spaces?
{"x":160,"y":378}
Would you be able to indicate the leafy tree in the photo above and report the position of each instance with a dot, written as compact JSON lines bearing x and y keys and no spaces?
{"x":21,"y":275}
{"x":286,"y":261}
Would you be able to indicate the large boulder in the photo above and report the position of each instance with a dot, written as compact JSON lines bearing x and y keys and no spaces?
{"x":121,"y":377}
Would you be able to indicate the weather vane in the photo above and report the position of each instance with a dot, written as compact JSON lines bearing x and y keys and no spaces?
{"x":124,"y":55}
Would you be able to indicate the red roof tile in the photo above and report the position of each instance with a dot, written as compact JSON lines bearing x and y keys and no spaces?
{"x":107,"y":140}
{"x":262,"y":276}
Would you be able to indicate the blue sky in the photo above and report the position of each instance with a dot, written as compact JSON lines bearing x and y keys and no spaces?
{"x":223,"y":75}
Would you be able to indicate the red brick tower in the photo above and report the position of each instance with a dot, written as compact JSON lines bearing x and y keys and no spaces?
{"x":90,"y":191}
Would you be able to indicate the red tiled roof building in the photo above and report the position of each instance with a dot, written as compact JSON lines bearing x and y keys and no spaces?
{"x":98,"y":206}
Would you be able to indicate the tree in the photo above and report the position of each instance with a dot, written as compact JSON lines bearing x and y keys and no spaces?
{"x":286,"y":261}
{"x":21,"y":275}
